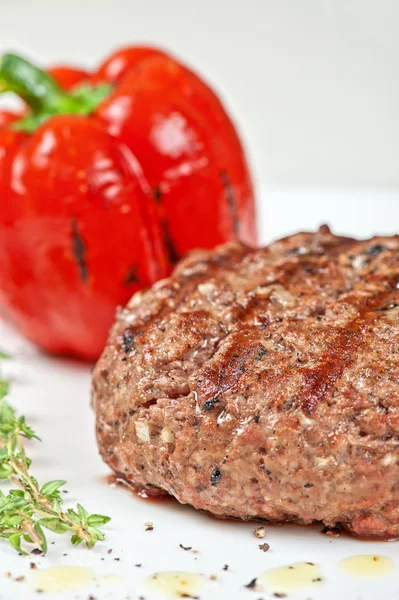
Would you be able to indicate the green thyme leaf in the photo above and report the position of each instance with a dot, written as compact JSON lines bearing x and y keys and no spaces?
{"x":15,"y":541}
{"x":76,"y":540}
{"x":51,"y":486}
{"x":82,"y":512}
{"x":54,"y":524}
{"x":4,"y":388}
{"x":29,"y":508}
{"x":41,"y":534}
{"x":98,"y":520}
{"x":73,"y":516}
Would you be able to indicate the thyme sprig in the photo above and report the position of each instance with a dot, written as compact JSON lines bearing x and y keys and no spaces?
{"x":29,"y":508}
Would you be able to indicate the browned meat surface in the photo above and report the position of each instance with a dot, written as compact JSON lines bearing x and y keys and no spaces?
{"x":263,"y":383}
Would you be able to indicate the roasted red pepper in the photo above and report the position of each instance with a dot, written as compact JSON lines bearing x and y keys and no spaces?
{"x":105,"y":181}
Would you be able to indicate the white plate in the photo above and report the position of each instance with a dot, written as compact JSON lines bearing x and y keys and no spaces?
{"x":54,"y":396}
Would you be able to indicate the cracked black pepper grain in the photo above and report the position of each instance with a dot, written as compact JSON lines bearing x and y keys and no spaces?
{"x":261,"y":353}
{"x":264,"y":547}
{"x":215,"y":477}
{"x":252,"y":584}
{"x":375,"y":250}
{"x":210,"y":404}
{"x":185,"y":547}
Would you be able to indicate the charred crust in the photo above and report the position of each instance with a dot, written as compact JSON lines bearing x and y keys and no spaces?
{"x":173,"y":255}
{"x":215,"y":476}
{"x":128,"y":337}
{"x":231,"y":201}
{"x":296,"y":251}
{"x":256,"y":418}
{"x":319,"y":381}
{"x":79,"y":251}
{"x":389,"y":307}
{"x":332,"y":531}
{"x":127,"y":340}
{"x":261,"y":353}
{"x":210,"y":404}
{"x":376,"y":250}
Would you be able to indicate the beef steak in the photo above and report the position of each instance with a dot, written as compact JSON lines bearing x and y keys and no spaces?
{"x":263,"y":383}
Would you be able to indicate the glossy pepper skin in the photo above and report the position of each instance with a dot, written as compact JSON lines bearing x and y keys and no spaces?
{"x":105,"y":182}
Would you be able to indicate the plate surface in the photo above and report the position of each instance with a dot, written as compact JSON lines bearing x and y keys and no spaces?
{"x":54,"y":396}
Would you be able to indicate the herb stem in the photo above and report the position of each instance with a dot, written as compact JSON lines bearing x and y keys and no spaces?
{"x":28,"y":508}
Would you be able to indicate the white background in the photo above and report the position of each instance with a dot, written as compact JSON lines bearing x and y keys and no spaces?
{"x":313,"y":84}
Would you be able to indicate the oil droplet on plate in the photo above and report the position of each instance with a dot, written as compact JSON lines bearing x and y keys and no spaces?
{"x":58,"y":579}
{"x":367,"y":565}
{"x":176,"y":584}
{"x":291,"y":577}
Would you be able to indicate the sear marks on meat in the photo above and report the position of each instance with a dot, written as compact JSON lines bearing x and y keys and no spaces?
{"x":263,"y":383}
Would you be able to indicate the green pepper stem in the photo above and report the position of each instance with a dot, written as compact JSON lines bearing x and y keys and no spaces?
{"x":34,"y":86}
{"x":42,"y":93}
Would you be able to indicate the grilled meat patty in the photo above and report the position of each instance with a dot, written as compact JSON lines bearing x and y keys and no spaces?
{"x":263,"y":383}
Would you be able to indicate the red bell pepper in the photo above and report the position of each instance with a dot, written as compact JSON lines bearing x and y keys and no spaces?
{"x":106,"y":180}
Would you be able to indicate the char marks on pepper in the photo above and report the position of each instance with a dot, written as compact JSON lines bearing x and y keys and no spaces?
{"x":131,"y":276}
{"x":79,"y":250}
{"x":173,"y":255}
{"x":231,"y":201}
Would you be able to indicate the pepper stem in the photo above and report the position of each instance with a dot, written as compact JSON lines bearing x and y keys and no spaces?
{"x":34,"y":86}
{"x":42,"y":94}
